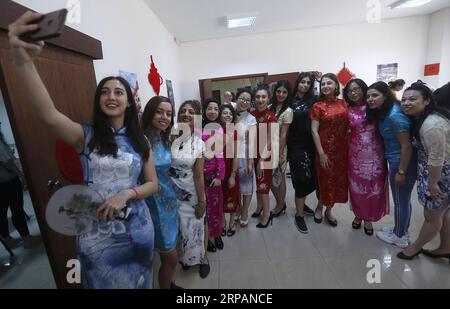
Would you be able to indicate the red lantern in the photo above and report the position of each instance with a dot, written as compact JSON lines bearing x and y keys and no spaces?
{"x":154,"y":78}
{"x":345,"y":75}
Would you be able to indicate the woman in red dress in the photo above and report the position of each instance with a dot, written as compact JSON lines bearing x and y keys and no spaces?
{"x":330,"y":127}
{"x":230,"y":185}
{"x":263,"y":163}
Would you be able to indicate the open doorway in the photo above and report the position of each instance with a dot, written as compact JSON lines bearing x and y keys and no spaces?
{"x":22,"y":253}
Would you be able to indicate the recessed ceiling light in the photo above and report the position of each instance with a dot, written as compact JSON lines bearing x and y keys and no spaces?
{"x":241,"y":20}
{"x":408,"y":4}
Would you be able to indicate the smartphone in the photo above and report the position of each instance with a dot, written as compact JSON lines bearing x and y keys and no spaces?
{"x":50,"y":26}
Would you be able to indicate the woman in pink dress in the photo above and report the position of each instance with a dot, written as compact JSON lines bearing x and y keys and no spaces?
{"x":214,"y":172}
{"x":367,"y":168}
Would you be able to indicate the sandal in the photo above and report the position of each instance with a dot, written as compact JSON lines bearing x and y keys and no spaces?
{"x":231,"y":230}
{"x":243,"y":223}
{"x":356,"y":225}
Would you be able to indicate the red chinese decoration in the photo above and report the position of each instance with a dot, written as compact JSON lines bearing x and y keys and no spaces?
{"x":154,"y":78}
{"x":68,"y":162}
{"x":432,"y":69}
{"x":345,"y":75}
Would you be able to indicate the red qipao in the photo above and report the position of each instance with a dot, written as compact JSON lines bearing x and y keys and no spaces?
{"x":334,"y":132}
{"x":231,"y":196}
{"x":265,"y":116}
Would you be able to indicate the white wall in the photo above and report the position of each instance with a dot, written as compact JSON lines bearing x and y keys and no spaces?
{"x":130,"y":32}
{"x":438,"y":47}
{"x":362,"y":46}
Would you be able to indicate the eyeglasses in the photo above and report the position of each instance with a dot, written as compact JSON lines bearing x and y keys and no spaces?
{"x":244,"y":100}
{"x":356,"y":89}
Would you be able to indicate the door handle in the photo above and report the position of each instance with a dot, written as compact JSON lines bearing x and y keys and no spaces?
{"x":54,"y":185}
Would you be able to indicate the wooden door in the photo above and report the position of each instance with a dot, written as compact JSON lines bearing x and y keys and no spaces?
{"x":70,"y":79}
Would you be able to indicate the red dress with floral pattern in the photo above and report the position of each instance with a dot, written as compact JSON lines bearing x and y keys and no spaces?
{"x":265,"y":116}
{"x":334,"y":135}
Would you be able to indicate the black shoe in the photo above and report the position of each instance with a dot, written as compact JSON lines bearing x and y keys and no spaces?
{"x":263,"y":226}
{"x":282,"y":211}
{"x":301,"y":224}
{"x":218,"y":242}
{"x":211,"y":247}
{"x":232,"y":230}
{"x":333,"y":223}
{"x":173,"y":286}
{"x":403,"y":256}
{"x":318,"y":220}
{"x":308,"y":211}
{"x":368,"y":231}
{"x":204,"y":270}
{"x":224,"y":232}
{"x":257,"y":214}
{"x":356,"y":225}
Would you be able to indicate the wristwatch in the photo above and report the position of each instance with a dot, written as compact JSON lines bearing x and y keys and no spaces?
{"x":401,"y":172}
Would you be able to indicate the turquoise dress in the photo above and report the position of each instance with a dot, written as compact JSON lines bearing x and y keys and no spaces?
{"x":163,"y":204}
{"x":116,"y":254}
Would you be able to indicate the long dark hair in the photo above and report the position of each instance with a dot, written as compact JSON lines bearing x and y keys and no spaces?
{"x":389,"y":101}
{"x":103,"y":139}
{"x":361,"y":85}
{"x":274,"y":102}
{"x":334,"y":78}
{"x":431,"y":108}
{"x":310,"y":94}
{"x":147,"y":120}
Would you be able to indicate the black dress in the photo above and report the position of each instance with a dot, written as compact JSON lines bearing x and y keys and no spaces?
{"x":301,"y":149}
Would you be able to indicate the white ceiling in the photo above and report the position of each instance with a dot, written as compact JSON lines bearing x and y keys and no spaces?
{"x":193,"y":20}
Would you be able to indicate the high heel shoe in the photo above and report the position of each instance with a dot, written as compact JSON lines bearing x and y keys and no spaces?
{"x":211,"y":247}
{"x":257,"y":214}
{"x":263,"y":226}
{"x":317,"y":220}
{"x":333,"y":223}
{"x":282,"y":211}
{"x":436,"y":256}
{"x":403,"y":256}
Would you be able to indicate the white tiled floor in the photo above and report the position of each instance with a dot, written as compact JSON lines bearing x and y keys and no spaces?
{"x":281,"y":257}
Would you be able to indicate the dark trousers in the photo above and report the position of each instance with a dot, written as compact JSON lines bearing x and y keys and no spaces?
{"x":11,"y":196}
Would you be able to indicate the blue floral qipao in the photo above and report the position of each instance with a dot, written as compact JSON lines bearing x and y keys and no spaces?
{"x":116,"y":254}
{"x":163,"y":204}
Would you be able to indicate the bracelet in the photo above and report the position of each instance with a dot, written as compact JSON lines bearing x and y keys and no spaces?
{"x":135,"y":192}
{"x":201,"y":202}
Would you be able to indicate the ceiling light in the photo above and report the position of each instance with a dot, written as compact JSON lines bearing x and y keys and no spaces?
{"x":236,"y":21}
{"x":408,"y":4}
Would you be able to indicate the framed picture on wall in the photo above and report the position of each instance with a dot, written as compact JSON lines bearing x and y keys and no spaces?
{"x":387,"y":72}
{"x":170,"y":91}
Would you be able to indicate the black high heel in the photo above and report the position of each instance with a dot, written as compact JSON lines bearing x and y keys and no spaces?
{"x":436,"y":256}
{"x":263,"y":226}
{"x":257,"y":214}
{"x":282,"y":211}
{"x":333,"y":223}
{"x":403,"y":256}
{"x":211,"y":247}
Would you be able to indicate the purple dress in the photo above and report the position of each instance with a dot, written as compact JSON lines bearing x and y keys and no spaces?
{"x":214,"y":168}
{"x":367,"y":168}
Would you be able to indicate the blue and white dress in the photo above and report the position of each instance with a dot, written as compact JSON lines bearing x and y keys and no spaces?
{"x":116,"y":254}
{"x":191,"y":248}
{"x":163,"y":204}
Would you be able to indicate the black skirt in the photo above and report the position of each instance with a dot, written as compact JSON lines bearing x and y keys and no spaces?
{"x":303,"y":170}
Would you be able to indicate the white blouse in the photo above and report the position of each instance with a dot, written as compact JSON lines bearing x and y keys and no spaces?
{"x":435,"y":137}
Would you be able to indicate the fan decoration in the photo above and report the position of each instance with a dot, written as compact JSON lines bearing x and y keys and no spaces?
{"x":345,"y":75}
{"x":154,"y":78}
{"x":68,"y":162}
